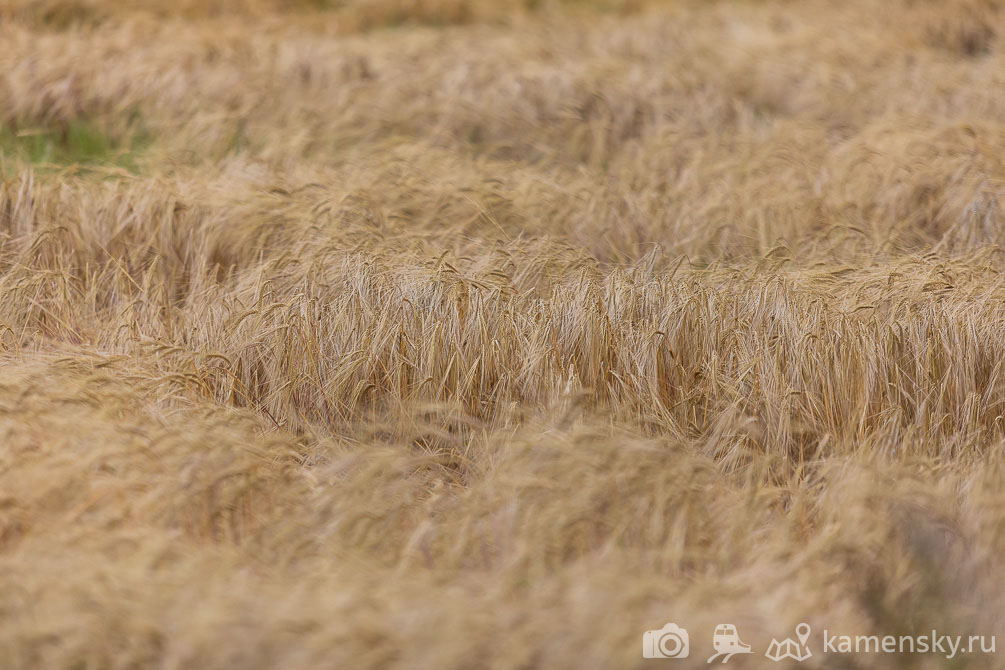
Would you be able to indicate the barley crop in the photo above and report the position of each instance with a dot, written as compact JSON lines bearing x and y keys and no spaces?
{"x":446,"y":334}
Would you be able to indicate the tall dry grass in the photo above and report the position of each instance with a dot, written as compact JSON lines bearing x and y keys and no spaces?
{"x":493,"y":334}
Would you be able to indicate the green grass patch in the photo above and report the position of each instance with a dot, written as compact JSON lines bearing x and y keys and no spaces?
{"x":79,"y":143}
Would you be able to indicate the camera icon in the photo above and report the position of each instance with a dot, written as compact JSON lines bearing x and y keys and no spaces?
{"x":668,"y":642}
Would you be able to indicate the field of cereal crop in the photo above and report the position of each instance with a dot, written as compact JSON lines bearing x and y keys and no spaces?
{"x":443,"y":334}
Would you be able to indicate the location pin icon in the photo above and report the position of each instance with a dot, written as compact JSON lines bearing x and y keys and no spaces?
{"x":803,"y":632}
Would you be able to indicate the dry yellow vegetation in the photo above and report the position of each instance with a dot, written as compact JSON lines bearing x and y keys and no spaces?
{"x":442,"y":334}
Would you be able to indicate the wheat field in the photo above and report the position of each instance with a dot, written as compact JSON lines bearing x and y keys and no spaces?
{"x":446,"y":334}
